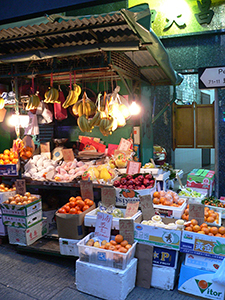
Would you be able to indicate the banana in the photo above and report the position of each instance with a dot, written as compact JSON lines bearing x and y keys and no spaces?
{"x":83,"y":124}
{"x":105,"y":126}
{"x":95,"y":121}
{"x":68,"y":99}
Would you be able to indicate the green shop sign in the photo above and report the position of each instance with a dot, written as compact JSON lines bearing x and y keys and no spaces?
{"x":176,"y":17}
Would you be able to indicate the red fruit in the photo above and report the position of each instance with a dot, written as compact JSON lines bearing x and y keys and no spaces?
{"x":131,"y":182}
{"x":62,"y":210}
{"x":123,"y":181}
{"x":143,"y":187}
{"x":73,"y":211}
{"x":146,"y":182}
{"x":67,"y":208}
{"x":130,"y":187}
{"x":116,"y":183}
{"x":129,"y":177}
{"x":152,"y":181}
{"x":140,"y":178}
{"x":148,"y":176}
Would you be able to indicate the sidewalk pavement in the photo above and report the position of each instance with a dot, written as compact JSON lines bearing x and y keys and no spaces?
{"x":29,"y":276}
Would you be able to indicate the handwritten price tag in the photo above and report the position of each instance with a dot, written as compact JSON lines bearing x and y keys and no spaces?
{"x":196,"y":211}
{"x":45,"y":147}
{"x":131,"y":209}
{"x":127,"y":229}
{"x":21,"y":186}
{"x":86,"y":189}
{"x":103,"y":226}
{"x":108,"y":196}
{"x":68,"y":154}
{"x":133,"y":167}
{"x":147,"y":207}
{"x":124,"y":145}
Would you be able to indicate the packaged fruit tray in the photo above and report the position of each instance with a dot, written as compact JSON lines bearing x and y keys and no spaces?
{"x":103,"y":257}
{"x":171,"y":211}
{"x":91,"y":217}
{"x":217,"y":205}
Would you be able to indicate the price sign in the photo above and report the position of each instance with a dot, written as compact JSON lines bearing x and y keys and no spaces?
{"x":197,"y":212}
{"x":131,"y":209}
{"x":86,"y":189}
{"x":133,"y":167}
{"x":108,"y":196}
{"x":127,"y":229}
{"x":68,"y":154}
{"x":124,"y":145}
{"x":147,"y":207}
{"x":45,"y":147}
{"x":103,"y":226}
{"x":21,"y":186}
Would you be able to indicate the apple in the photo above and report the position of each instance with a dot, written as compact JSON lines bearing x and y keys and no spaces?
{"x":148,"y":176}
{"x":116,"y":183}
{"x":146,"y":182}
{"x":123,"y":181}
{"x":129,"y":177}
{"x":130,"y":187}
{"x":143,"y":187}
{"x":140,"y":178}
{"x":131,"y":182}
{"x":152,"y":181}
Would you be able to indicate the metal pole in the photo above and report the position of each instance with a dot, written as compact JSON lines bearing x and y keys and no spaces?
{"x":216,"y":109}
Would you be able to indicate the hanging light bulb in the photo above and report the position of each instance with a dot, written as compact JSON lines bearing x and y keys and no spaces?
{"x":135,"y":109}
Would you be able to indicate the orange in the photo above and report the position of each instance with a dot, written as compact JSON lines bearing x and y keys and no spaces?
{"x":214,"y":230}
{"x":186,"y":211}
{"x":205,"y":229}
{"x":107,"y":245}
{"x":201,"y":232}
{"x":124,"y":243}
{"x":128,"y":246}
{"x":118,"y":238}
{"x":180,"y":202}
{"x":112,"y":247}
{"x":123,"y":250}
{"x":222,"y":230}
{"x":72,"y":199}
{"x":112,"y":242}
{"x":88,"y":202}
{"x":80,"y":203}
{"x":6,"y":152}
{"x":213,"y":215}
{"x":78,"y":198}
{"x":194,"y":222}
{"x":72,"y":204}
{"x":5,"y":157}
{"x":66,"y":207}
{"x":1,"y":162}
{"x":85,"y":207}
{"x":210,"y":220}
{"x":211,"y":234}
{"x":203,"y":225}
{"x":156,"y":195}
{"x":6,"y":161}
{"x":188,"y":228}
{"x":15,"y":161}
{"x":162,"y":200}
{"x":1,"y":155}
{"x":155,"y":200}
{"x":218,"y":234}
{"x":196,"y":228}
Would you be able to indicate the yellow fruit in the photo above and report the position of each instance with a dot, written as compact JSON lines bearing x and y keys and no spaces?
{"x":104,"y":174}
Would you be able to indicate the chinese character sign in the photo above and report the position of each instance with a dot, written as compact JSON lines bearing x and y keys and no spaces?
{"x":206,"y":14}
{"x":196,"y":211}
{"x":86,"y":189}
{"x":131,"y":209}
{"x":127,"y":229}
{"x":108,"y":196}
{"x":103,"y":226}
{"x":21,"y":186}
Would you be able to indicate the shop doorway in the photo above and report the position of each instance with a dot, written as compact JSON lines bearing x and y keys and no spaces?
{"x":194,"y":143}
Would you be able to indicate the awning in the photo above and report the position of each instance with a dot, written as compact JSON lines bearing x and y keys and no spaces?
{"x":127,"y":31}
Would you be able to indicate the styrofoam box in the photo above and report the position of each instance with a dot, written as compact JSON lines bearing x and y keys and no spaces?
{"x":164,"y":277}
{"x":22,"y":210}
{"x":22,"y":222}
{"x":154,"y":171}
{"x":104,"y":257}
{"x":68,"y":247}
{"x":122,"y":201}
{"x":104,"y":282}
{"x":202,"y":262}
{"x":171,"y":211}
{"x":218,"y":209}
{"x":5,"y":195}
{"x":91,"y":217}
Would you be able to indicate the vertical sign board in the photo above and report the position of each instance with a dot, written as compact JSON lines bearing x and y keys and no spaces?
{"x":108,"y":196}
{"x":86,"y":189}
{"x":103,"y":226}
{"x":211,"y":78}
{"x":21,"y":186}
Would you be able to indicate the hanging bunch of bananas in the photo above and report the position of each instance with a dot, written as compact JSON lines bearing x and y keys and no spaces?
{"x":2,"y":103}
{"x":52,"y":96}
{"x":33,"y":102}
{"x":106,"y":125}
{"x":73,"y":96}
{"x":84,"y":109}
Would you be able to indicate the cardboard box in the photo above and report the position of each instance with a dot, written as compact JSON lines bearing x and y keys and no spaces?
{"x":9,"y":170}
{"x":71,"y":226}
{"x":51,"y":218}
{"x":121,"y":200}
{"x":91,"y":217}
{"x":5,"y":195}
{"x":22,"y":222}
{"x":202,"y":262}
{"x":201,"y":178}
{"x":156,"y":236}
{"x":199,"y":283}
{"x":25,"y":237}
{"x":22,"y":210}
{"x":165,"y":257}
{"x":3,"y":228}
{"x":201,"y":244}
{"x":103,"y":257}
{"x":68,"y":247}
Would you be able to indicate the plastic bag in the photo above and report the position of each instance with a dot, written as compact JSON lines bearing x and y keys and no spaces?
{"x":219,"y":275}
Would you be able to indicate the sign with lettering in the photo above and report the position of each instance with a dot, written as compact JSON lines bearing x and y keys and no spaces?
{"x":124,"y":145}
{"x":210,"y":78}
{"x":147,"y":207}
{"x":86,"y":189}
{"x":127,"y":229}
{"x":68,"y":154}
{"x":103,"y":226}
{"x":108,"y":196}
{"x":196,"y":211}
{"x":133,"y":167}
{"x":21,"y":186}
{"x":131,"y":209}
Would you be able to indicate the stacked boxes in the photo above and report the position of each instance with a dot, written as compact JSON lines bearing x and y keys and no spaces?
{"x":24,"y":222}
{"x":3,"y":197}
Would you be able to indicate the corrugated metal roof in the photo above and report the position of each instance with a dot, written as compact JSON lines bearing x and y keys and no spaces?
{"x":71,"y":35}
